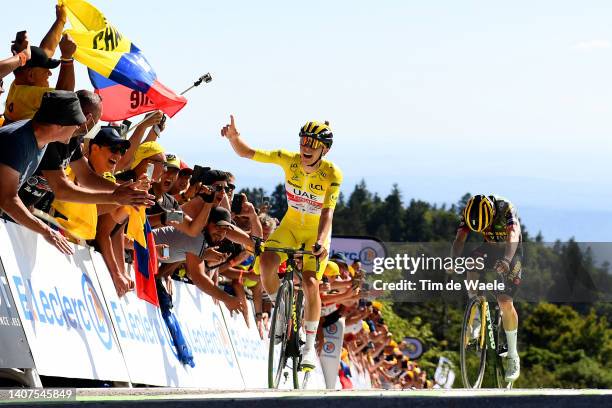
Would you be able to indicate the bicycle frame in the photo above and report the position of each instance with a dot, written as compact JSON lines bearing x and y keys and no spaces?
{"x":293,"y":315}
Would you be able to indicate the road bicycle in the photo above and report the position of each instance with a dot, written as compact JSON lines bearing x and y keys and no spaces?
{"x":286,"y":331}
{"x":476,"y":341}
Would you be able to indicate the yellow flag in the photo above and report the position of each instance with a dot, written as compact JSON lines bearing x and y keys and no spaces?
{"x":99,"y":45}
{"x":135,"y":229}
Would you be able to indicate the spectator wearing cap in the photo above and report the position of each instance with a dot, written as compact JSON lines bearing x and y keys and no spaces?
{"x":181,"y":188}
{"x":197,"y":251}
{"x":22,"y":146}
{"x":83,"y":186}
{"x":173,"y":167}
{"x":147,"y":153}
{"x":32,"y":79}
{"x":105,"y":151}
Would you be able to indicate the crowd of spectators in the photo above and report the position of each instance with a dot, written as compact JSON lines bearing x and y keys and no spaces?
{"x":54,"y":150}
{"x":368,"y":343}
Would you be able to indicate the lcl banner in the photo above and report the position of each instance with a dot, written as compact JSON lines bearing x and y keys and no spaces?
{"x":363,"y":249}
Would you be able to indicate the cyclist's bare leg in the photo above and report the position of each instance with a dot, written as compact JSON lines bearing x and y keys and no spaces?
{"x":509,"y":315}
{"x":268,"y":264}
{"x":510,"y":322}
{"x":312,"y":309}
{"x":312,"y":313}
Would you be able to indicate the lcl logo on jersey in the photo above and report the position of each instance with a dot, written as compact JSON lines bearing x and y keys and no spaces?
{"x":316,"y":187}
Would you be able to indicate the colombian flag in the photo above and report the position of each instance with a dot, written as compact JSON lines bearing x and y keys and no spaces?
{"x":145,"y":255}
{"x":117,"y":69}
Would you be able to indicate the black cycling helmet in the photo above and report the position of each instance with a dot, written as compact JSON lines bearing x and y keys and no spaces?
{"x":478,"y":212}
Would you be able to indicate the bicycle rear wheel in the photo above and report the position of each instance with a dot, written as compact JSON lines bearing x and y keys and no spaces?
{"x":279,"y":334}
{"x":473,"y":346}
{"x":501,"y":353}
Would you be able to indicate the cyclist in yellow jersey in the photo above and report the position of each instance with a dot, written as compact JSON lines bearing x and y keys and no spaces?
{"x":312,"y":185}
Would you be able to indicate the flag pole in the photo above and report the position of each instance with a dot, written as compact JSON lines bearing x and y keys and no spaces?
{"x":206,"y":78}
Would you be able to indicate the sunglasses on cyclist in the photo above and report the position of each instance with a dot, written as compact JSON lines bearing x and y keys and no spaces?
{"x":313,"y":143}
{"x":218,"y":188}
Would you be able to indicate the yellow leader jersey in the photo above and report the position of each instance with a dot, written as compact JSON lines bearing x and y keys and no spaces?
{"x":307,"y":193}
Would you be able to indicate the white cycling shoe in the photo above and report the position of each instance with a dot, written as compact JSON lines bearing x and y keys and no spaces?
{"x":513,"y":370}
{"x":309,"y":359}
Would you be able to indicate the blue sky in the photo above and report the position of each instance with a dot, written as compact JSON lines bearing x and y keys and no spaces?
{"x":439,"y":97}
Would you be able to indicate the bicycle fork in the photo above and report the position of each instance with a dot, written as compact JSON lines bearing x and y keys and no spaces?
{"x":487,"y":310}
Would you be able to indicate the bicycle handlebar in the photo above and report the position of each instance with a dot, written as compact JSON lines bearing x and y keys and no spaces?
{"x":289,"y":251}
{"x":292,"y":252}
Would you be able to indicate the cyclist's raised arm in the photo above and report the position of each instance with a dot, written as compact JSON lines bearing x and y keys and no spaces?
{"x":238,"y":144}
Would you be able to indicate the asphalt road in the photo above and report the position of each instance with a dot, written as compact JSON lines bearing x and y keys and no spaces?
{"x":167,"y":397}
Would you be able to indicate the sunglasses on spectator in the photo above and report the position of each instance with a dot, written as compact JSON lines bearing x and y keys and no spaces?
{"x":218,"y":188}
{"x":311,"y":142}
{"x":117,"y":149}
{"x":231,"y":186}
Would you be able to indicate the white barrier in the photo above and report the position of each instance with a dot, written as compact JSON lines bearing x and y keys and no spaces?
{"x":77,"y":327}
{"x":250,"y":350}
{"x":59,"y":302}
{"x":204,"y":329}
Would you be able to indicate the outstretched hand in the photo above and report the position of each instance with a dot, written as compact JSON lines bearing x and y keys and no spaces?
{"x":129,"y":193}
{"x":229,"y":131}
{"x":58,"y":241}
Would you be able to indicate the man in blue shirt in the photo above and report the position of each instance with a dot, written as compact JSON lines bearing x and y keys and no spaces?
{"x":22,"y":146}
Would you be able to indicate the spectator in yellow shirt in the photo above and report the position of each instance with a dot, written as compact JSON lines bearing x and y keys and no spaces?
{"x":32,"y":78}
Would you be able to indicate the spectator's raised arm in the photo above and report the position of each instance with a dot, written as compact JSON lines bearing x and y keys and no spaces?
{"x":136,"y":139}
{"x":52,"y":38}
{"x":21,"y":54}
{"x":65,"y":79}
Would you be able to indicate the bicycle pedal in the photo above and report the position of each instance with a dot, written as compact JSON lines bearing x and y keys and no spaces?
{"x":306,"y":369}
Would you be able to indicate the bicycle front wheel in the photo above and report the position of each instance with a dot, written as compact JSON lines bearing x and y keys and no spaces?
{"x":473,"y":353}
{"x":279,"y":334}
